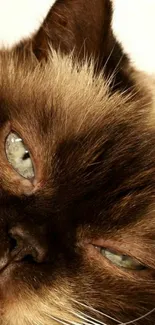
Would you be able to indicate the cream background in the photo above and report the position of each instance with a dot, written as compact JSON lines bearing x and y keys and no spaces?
{"x":21,"y":18}
{"x":133,"y":24}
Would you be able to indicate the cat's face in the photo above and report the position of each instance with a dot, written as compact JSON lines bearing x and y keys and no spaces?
{"x":78,"y":231}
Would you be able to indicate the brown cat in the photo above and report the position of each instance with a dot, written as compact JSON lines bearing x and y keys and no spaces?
{"x":77,"y":172}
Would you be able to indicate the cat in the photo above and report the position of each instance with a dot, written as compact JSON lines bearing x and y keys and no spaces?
{"x":77,"y":223}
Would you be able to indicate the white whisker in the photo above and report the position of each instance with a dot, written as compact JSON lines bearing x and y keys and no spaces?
{"x":89,"y":319}
{"x":93,"y":319}
{"x":58,"y":320}
{"x":139,"y":318}
{"x":64,"y":322}
{"x":97,"y":311}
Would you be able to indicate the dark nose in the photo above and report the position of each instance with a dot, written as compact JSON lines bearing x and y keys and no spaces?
{"x":25,"y":246}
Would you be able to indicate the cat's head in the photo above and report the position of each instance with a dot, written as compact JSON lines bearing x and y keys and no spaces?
{"x":77,"y":175}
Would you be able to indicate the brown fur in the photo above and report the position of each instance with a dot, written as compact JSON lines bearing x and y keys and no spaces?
{"x":94,"y":157}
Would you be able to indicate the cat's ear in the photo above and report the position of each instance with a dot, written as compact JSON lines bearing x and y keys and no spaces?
{"x":80,"y":25}
{"x":85,"y":27}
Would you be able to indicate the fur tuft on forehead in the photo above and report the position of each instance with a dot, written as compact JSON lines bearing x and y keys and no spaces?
{"x":65,"y":86}
{"x":59,"y":85}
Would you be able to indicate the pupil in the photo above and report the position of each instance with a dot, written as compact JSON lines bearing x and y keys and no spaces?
{"x":26,"y":156}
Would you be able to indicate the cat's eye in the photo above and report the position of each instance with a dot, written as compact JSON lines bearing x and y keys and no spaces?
{"x":123,"y":261}
{"x":18,"y":155}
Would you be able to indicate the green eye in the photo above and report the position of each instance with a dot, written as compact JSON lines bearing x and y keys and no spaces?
{"x":123,"y":261}
{"x":18,"y":155}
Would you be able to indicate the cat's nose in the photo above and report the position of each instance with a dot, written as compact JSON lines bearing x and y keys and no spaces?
{"x":25,"y":246}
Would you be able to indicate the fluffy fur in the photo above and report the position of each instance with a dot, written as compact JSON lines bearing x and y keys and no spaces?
{"x":94,"y":155}
{"x":91,"y":140}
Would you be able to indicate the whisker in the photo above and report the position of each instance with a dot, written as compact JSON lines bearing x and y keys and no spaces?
{"x":97,"y":311}
{"x":89,"y":319}
{"x":109,"y":317}
{"x":64,"y":322}
{"x":59,"y":320}
{"x":93,"y":319}
{"x":139,"y":318}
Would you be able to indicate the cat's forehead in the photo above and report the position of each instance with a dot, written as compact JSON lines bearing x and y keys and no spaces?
{"x":61,"y":95}
{"x":59,"y":89}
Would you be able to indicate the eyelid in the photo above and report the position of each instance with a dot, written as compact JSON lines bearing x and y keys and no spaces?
{"x":114,"y":246}
{"x":117,"y":247}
